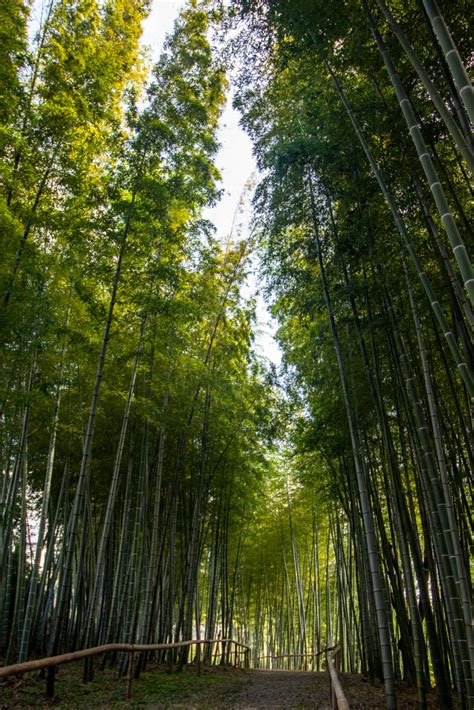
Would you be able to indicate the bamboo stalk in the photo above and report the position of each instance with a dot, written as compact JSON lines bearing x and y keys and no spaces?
{"x":451,"y":55}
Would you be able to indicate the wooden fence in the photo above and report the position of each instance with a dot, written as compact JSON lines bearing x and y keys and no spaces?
{"x":229,"y":647}
{"x":301,"y":656}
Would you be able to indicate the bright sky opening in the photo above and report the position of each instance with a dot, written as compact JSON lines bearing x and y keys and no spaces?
{"x":236,"y":165}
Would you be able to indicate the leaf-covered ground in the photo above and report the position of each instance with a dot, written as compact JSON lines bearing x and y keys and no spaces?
{"x":215,"y":688}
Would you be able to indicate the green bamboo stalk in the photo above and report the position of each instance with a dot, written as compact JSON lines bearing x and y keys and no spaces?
{"x":50,"y":566}
{"x":458,"y":562}
{"x":373,"y":377}
{"x":456,"y":286}
{"x":408,"y":519}
{"x":119,"y":578}
{"x":7,"y":593}
{"x":152,"y":570}
{"x":42,"y":35}
{"x":461,"y":114}
{"x":462,"y":366}
{"x":72,"y":531}
{"x":301,"y":646}
{"x":367,"y":513}
{"x":28,"y":225}
{"x":429,"y":86}
{"x":112,"y":498}
{"x":19,"y":602}
{"x":437,"y":190}
{"x":6,"y":523}
{"x":452,"y":57}
{"x":437,"y":515}
{"x":33,"y":584}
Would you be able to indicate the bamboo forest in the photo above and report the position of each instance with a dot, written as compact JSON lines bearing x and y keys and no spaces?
{"x":186,"y":521}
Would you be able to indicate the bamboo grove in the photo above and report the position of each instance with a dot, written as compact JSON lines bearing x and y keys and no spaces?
{"x":132,"y":406}
{"x":360,"y":115}
{"x":160,"y":481}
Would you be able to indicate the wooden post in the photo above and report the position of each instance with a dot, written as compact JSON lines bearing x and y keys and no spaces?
{"x":50,"y":677}
{"x":131,"y":668}
{"x":198,"y":658}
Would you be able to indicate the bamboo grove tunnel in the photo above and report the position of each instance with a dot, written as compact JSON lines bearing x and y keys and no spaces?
{"x":236,"y":380}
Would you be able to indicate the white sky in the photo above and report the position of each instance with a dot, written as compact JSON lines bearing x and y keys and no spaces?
{"x":235,"y":163}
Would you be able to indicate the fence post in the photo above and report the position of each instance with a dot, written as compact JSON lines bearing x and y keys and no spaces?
{"x":50,"y":677}
{"x":198,"y":658}
{"x":131,"y":668}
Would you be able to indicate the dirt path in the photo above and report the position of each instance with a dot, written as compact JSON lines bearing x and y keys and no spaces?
{"x":293,"y":690}
{"x":283,"y":689}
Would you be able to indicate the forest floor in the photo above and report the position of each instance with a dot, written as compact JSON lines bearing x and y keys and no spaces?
{"x":215,"y":688}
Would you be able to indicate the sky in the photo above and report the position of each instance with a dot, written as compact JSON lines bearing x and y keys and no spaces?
{"x":236,"y":165}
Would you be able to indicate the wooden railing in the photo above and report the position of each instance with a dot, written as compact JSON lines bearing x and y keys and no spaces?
{"x":299,"y":656}
{"x":52,"y":661}
{"x":338,"y":698}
